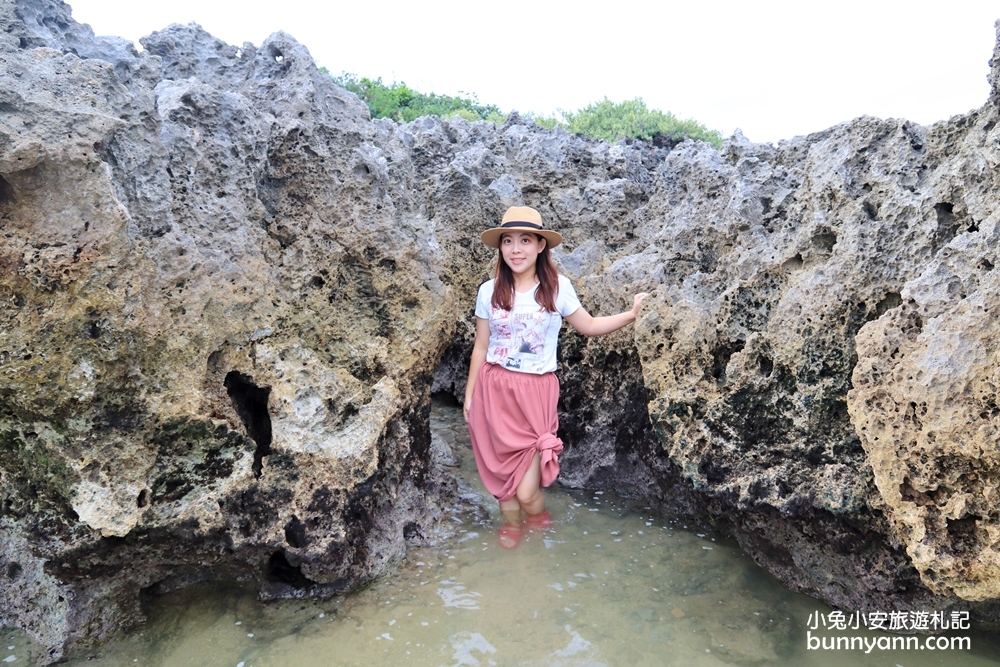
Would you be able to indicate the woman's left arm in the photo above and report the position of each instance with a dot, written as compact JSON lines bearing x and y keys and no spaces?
{"x":589,"y":325}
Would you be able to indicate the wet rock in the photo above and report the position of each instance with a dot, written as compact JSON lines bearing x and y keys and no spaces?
{"x":209,"y":370}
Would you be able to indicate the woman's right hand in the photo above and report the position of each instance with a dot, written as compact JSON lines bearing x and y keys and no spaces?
{"x":467,"y":408}
{"x":637,"y":301}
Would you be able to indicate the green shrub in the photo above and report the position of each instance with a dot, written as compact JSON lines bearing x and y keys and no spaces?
{"x":400,"y":102}
{"x":631,"y":119}
{"x":605,"y":120}
{"x":548,"y":122}
{"x":497,"y":118}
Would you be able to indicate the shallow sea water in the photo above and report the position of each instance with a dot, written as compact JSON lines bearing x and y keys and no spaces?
{"x":607,"y":584}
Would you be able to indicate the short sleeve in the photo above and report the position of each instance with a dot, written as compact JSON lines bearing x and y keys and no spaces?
{"x":483,"y":300}
{"x":567,"y":302}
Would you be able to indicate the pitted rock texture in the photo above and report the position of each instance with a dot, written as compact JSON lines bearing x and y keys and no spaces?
{"x":925,"y":400}
{"x":210,"y":368}
{"x":925,"y":389}
{"x":228,"y":294}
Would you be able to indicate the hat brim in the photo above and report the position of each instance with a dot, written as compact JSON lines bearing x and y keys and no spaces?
{"x":491,"y":237}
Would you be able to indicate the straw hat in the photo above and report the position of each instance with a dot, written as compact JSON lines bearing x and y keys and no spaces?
{"x":520,"y":219}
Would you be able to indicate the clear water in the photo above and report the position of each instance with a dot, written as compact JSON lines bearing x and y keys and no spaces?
{"x":607,"y":584}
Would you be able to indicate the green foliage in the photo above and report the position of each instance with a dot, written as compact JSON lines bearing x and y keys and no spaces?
{"x":632,"y":119}
{"x":605,"y":120}
{"x":497,"y":118}
{"x":548,"y":122}
{"x":400,"y":102}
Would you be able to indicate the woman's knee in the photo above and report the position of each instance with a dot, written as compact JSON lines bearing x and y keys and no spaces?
{"x":527,"y":495}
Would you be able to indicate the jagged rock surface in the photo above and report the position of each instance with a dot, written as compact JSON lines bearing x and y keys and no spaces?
{"x":213,"y":339}
{"x":226,"y":290}
{"x":925,"y":388}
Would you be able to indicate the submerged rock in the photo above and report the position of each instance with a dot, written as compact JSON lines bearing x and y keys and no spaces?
{"x":228,"y":294}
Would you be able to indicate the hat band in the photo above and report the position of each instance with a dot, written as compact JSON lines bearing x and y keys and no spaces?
{"x":520,"y":223}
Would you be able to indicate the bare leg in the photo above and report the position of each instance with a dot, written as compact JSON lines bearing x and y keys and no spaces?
{"x":509,"y":534}
{"x":511,"y":510}
{"x":528,"y":499}
{"x":529,"y":491}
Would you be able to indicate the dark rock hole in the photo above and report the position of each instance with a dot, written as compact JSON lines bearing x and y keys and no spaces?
{"x":870,"y":210}
{"x":963,"y":531}
{"x":412,"y":531}
{"x":280,"y":570}
{"x":6,"y":192}
{"x":14,"y":570}
{"x":143,"y":499}
{"x":766,"y":366}
{"x":295,"y":533}
{"x":714,"y":472}
{"x":447,"y":397}
{"x":824,"y":241}
{"x":888,"y":302}
{"x":250,"y":402}
{"x":950,"y":224}
{"x":721,"y":356}
{"x":793,"y":263}
{"x":910,"y":494}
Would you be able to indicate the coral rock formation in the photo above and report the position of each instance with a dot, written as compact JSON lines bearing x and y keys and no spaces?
{"x":212,"y":340}
{"x":925,"y":395}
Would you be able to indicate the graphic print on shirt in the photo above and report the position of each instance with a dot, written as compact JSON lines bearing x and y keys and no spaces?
{"x":523,"y":337}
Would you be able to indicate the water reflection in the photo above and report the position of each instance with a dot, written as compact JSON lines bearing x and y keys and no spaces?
{"x":606,"y":584}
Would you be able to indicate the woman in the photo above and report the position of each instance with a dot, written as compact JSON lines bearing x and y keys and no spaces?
{"x":512,"y":392}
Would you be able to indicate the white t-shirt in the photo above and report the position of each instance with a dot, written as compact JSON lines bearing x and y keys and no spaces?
{"x":524,"y":339}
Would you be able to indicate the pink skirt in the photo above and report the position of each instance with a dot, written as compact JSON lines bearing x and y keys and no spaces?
{"x":513,"y":415}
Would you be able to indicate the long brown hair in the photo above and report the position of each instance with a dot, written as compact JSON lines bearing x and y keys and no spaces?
{"x":548,"y":282}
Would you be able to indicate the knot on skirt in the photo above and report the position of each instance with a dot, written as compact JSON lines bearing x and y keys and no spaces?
{"x":549,"y":448}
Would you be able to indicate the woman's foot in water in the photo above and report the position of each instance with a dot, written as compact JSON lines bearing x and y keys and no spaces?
{"x":509,"y":536}
{"x":538,"y":521}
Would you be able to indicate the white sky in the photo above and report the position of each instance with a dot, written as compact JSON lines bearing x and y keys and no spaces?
{"x":773,"y":69}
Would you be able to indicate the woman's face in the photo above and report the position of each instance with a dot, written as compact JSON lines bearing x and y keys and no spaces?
{"x":520,"y":250}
